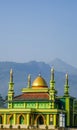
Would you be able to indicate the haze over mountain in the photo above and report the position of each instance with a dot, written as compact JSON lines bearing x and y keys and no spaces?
{"x":62,"y":66}
{"x":21,"y":71}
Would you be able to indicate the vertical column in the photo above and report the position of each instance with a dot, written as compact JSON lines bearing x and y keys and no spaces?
{"x":24,"y":105}
{"x":14,"y":118}
{"x":33,"y":119}
{"x":25,"y":120}
{"x":47,"y":121}
{"x":4,"y":122}
{"x":28,"y":116}
{"x":54,"y":120}
{"x":36,"y":104}
{"x":73,"y":119}
{"x":68,"y":111}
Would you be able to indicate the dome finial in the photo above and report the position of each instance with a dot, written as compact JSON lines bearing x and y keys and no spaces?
{"x":11,"y":76}
{"x":40,"y":74}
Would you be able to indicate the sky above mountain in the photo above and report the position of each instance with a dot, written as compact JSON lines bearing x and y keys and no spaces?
{"x":38,"y":30}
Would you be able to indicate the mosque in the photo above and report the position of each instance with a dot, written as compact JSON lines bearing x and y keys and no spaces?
{"x":39,"y":105}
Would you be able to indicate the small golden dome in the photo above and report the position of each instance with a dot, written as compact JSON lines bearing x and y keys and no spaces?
{"x":39,"y":82}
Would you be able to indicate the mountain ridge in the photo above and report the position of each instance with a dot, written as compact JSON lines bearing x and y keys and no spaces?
{"x":62,"y":66}
{"x":21,"y":71}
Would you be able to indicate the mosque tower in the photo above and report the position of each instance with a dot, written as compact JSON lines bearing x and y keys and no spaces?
{"x":52,"y":91}
{"x":10,"y":90}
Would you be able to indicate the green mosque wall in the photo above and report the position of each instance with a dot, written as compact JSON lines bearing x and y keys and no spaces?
{"x":31,"y":105}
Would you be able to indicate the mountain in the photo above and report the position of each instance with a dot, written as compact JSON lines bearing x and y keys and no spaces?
{"x":62,"y":66}
{"x":21,"y":71}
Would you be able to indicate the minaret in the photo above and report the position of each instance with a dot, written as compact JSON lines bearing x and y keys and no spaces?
{"x":52,"y":91}
{"x":29,"y":81}
{"x":69,"y":103}
{"x":10,"y":90}
{"x":66,"y":86}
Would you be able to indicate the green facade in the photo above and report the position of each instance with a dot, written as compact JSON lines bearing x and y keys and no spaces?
{"x":40,"y":105}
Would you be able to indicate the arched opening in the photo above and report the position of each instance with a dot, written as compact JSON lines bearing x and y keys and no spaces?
{"x":40,"y":120}
{"x":11,"y":120}
{"x":21,"y":120}
{"x":31,"y":120}
{"x":0,"y":119}
{"x":75,"y":120}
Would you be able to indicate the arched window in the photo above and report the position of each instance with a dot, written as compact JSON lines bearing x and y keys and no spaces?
{"x":40,"y":120}
{"x":21,"y":120}
{"x":11,"y":120}
{"x":0,"y":119}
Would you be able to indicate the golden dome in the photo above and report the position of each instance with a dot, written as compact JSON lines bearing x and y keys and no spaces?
{"x":39,"y":82}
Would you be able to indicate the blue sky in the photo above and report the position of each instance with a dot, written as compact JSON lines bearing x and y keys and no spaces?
{"x":38,"y":30}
